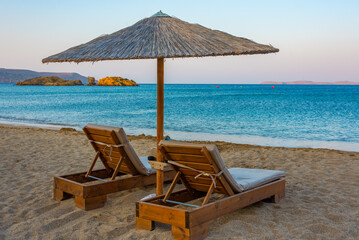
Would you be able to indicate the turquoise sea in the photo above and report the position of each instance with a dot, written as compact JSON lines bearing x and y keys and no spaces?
{"x":286,"y":115}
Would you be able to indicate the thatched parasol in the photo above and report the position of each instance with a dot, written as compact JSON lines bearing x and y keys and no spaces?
{"x":160,"y":36}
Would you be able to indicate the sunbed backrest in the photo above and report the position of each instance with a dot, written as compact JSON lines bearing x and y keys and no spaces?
{"x":195,"y":156}
{"x":106,"y":141}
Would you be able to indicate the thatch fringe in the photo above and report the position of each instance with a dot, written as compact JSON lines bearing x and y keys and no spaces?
{"x":161,"y":37}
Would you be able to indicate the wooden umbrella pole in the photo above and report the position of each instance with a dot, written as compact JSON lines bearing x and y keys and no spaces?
{"x":160,"y":105}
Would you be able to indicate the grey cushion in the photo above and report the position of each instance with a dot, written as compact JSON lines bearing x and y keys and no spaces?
{"x":141,"y":164}
{"x":213,"y":150}
{"x":247,"y":178}
{"x":240,"y":179}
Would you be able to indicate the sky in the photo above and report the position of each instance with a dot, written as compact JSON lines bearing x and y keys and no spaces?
{"x":318,"y":40}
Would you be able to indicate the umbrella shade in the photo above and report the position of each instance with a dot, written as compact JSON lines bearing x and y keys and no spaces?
{"x":160,"y":36}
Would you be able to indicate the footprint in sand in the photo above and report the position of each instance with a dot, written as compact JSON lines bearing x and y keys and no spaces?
{"x":68,"y":219}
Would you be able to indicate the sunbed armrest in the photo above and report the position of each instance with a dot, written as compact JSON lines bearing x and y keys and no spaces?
{"x":158,"y":165}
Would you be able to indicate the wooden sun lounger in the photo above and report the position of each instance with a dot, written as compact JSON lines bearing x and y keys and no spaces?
{"x":119,"y":159}
{"x":202,"y":173}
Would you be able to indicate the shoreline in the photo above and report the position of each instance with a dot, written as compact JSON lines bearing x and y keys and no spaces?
{"x":209,"y":137}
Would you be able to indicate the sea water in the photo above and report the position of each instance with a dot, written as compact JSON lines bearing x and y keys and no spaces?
{"x":314,"y":116}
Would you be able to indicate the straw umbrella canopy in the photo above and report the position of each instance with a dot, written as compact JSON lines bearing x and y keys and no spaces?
{"x":158,"y":37}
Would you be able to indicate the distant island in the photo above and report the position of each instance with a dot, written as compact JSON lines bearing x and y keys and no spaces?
{"x":50,"y":81}
{"x":56,"y":81}
{"x":28,"y":77}
{"x":17,"y":75}
{"x":116,"y":81}
{"x":312,"y":83}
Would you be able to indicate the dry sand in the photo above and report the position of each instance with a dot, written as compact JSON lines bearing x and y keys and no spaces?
{"x":322,"y":195}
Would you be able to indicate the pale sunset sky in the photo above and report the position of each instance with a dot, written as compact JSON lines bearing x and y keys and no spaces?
{"x":318,"y":40}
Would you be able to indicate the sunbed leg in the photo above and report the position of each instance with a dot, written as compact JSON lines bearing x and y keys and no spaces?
{"x":197,"y":232}
{"x":90,"y":203}
{"x":60,"y":195}
{"x":278,"y":196}
{"x":275,"y":198}
{"x":144,"y":224}
{"x":272,"y":199}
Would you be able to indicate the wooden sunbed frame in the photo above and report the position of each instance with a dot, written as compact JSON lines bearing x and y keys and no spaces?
{"x":111,"y":152}
{"x":193,"y":223}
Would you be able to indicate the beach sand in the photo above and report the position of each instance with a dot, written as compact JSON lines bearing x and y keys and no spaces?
{"x":322,"y":192}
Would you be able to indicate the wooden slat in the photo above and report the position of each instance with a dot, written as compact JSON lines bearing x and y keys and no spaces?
{"x":205,"y":167}
{"x":219,"y":190}
{"x":112,"y":164}
{"x":102,"y":132}
{"x":191,"y":172}
{"x":187,"y":157}
{"x":188,"y":172}
{"x":127,"y":162}
{"x":206,"y":181}
{"x":202,"y":179}
{"x":115,"y":150}
{"x":123,"y":168}
{"x":132,"y":169}
{"x":181,"y":149}
{"x":106,"y":140}
{"x":126,"y":166}
{"x":104,"y":162}
{"x":114,"y":159}
{"x":205,"y":187}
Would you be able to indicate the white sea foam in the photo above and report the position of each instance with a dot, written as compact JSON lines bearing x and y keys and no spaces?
{"x":253,"y":140}
{"x":40,"y":125}
{"x":241,"y":139}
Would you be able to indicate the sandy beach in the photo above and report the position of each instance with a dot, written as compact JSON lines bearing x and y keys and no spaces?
{"x":321,"y":200}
